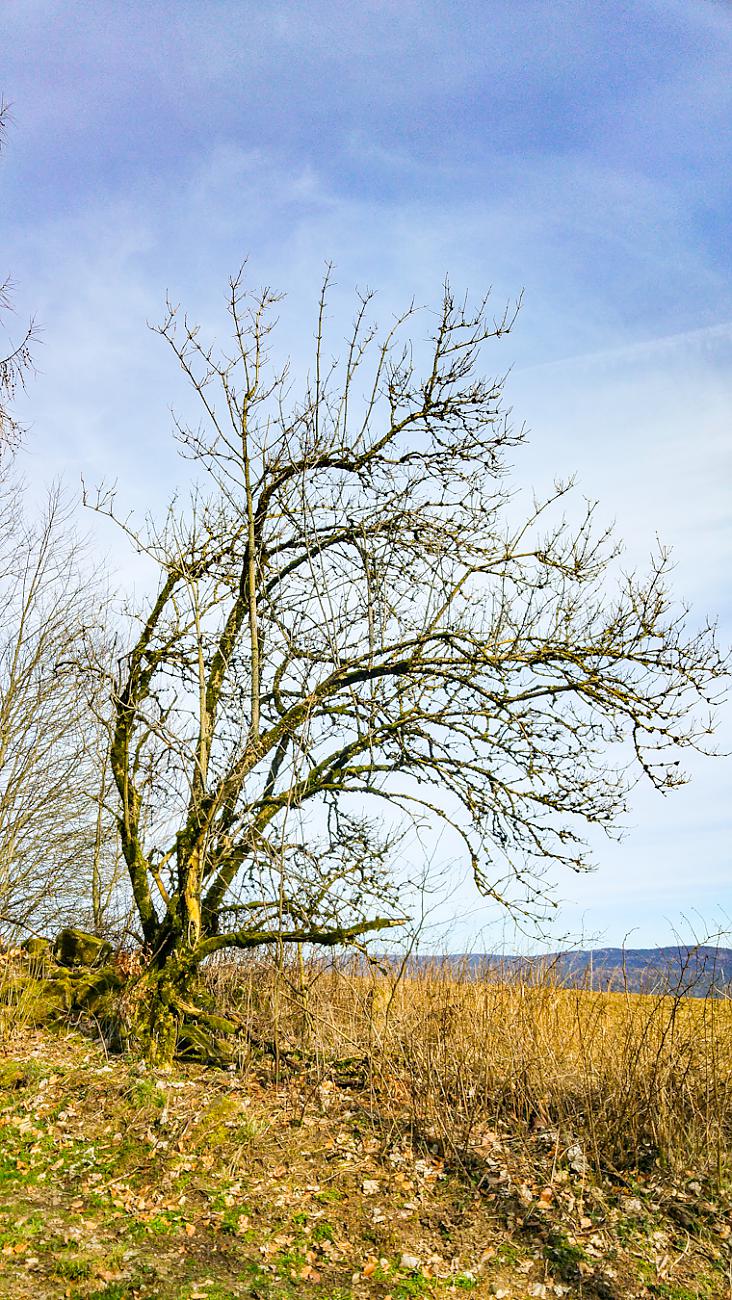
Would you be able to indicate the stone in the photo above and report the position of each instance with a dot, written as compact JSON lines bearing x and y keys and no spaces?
{"x":577,"y":1160}
{"x":410,"y":1262}
{"x":36,"y":946}
{"x":77,"y":948}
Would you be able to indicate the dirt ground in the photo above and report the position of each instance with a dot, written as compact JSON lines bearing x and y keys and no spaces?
{"x":116,"y":1182}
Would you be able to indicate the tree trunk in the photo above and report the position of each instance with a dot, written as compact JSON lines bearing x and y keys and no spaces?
{"x":174,"y":1015}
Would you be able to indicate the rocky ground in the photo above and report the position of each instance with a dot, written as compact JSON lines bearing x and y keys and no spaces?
{"x":118,"y":1182}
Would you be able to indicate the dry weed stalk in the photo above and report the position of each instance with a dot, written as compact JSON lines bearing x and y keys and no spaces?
{"x":634,"y":1080}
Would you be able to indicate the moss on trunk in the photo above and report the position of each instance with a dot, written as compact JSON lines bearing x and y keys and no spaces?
{"x":174,"y":1016}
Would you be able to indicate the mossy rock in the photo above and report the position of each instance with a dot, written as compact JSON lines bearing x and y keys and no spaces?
{"x":37,"y":995}
{"x":77,"y":948}
{"x":37,"y":947}
{"x":83,"y":987}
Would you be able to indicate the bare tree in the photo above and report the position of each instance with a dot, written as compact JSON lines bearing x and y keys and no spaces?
{"x":55,"y":837}
{"x":351,"y":626}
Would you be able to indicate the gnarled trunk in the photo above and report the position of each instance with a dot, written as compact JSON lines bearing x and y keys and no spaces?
{"x":174,"y":1015}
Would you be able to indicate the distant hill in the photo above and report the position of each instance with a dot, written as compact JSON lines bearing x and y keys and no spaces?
{"x":692,"y":971}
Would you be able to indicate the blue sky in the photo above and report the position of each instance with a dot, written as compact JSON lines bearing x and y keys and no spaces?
{"x":580,"y":151}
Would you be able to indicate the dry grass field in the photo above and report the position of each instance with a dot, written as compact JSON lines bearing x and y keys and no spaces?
{"x":638,"y":1080}
{"x":382,"y":1138}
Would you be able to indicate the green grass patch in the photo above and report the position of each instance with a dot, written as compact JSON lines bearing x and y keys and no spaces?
{"x":564,"y":1255}
{"x":75,"y":1270}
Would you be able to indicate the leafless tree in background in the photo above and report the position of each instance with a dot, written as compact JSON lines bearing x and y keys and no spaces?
{"x":56,"y":837}
{"x":352,"y":621}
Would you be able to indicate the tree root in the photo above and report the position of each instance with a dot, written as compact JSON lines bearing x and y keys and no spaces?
{"x":171,"y":1017}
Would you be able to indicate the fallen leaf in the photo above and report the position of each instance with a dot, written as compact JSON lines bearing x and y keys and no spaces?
{"x":306,"y":1274}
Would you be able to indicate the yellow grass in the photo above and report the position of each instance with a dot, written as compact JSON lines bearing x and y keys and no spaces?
{"x":634,"y":1080}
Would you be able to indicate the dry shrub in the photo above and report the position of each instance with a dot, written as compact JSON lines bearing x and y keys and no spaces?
{"x":636,"y":1079}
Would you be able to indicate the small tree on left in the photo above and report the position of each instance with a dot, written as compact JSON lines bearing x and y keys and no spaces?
{"x":55,"y":836}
